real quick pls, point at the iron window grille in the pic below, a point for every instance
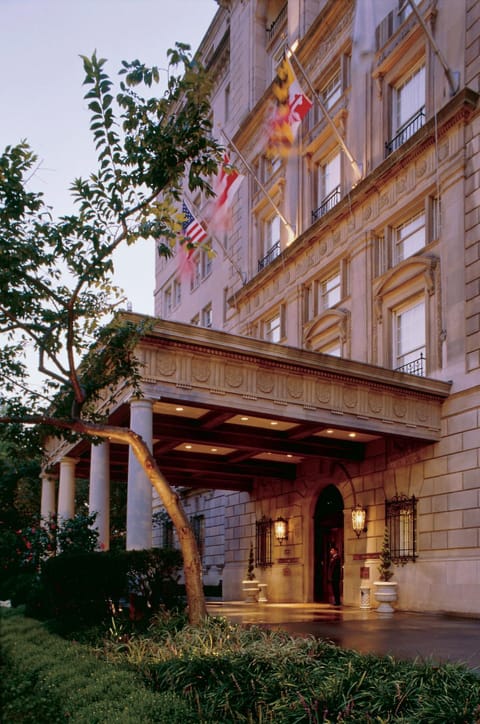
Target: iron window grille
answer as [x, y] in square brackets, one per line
[198, 526]
[401, 521]
[167, 534]
[263, 542]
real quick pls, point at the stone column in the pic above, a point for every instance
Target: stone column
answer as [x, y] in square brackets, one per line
[48, 503]
[66, 489]
[99, 492]
[139, 493]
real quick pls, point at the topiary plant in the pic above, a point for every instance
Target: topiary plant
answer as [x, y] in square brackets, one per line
[251, 565]
[384, 569]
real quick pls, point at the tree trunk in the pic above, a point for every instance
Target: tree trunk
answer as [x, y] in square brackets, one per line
[192, 564]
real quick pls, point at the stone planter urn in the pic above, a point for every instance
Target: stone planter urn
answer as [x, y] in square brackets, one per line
[385, 593]
[385, 590]
[250, 590]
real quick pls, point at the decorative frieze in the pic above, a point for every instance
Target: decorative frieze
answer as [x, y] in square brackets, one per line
[259, 385]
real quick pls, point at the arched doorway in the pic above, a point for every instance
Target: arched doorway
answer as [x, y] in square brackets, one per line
[328, 529]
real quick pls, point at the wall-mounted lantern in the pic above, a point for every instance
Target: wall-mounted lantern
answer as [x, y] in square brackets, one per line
[280, 528]
[359, 518]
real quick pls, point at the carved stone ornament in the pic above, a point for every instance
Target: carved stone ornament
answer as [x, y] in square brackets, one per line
[295, 387]
[165, 364]
[265, 381]
[201, 369]
[233, 375]
[323, 392]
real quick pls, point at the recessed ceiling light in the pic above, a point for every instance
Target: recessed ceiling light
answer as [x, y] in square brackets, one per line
[274, 422]
[188, 447]
[289, 455]
[213, 449]
[179, 409]
[329, 432]
[244, 419]
[352, 434]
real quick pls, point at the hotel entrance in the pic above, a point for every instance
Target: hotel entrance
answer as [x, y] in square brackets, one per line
[328, 531]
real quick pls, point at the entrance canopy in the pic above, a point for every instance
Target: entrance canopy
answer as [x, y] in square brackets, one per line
[228, 410]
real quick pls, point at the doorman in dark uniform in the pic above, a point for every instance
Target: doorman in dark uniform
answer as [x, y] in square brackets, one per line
[335, 572]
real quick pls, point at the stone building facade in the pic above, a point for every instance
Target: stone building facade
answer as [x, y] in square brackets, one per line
[332, 354]
[380, 266]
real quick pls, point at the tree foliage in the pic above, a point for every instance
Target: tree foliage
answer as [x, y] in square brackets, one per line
[57, 296]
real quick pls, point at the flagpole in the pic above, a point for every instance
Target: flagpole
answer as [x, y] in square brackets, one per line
[353, 163]
[262, 187]
[452, 81]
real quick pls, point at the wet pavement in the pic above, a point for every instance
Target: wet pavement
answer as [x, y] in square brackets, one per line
[404, 635]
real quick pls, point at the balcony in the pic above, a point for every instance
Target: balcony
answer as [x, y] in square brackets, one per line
[272, 254]
[327, 204]
[415, 367]
[406, 131]
[274, 27]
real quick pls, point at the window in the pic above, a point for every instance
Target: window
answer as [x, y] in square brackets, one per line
[198, 526]
[409, 342]
[177, 292]
[325, 292]
[332, 91]
[167, 534]
[409, 237]
[195, 320]
[263, 541]
[273, 329]
[329, 291]
[401, 521]
[401, 241]
[404, 9]
[207, 316]
[202, 267]
[408, 108]
[167, 302]
[271, 242]
[327, 186]
[227, 103]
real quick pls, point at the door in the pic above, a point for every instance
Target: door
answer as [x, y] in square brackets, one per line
[328, 531]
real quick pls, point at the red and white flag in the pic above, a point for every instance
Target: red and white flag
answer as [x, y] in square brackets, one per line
[226, 184]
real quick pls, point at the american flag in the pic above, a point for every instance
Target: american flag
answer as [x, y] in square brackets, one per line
[192, 229]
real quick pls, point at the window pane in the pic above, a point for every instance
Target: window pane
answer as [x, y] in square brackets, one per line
[332, 91]
[331, 175]
[410, 334]
[410, 237]
[273, 329]
[410, 97]
[273, 232]
[331, 291]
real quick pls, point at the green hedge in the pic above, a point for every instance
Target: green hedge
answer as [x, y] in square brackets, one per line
[47, 679]
[86, 585]
[220, 673]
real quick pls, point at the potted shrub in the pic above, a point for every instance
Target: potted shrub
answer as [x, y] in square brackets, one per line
[385, 589]
[250, 583]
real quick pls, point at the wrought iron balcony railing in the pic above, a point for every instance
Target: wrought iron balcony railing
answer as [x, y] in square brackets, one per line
[272, 254]
[406, 131]
[273, 29]
[328, 203]
[415, 367]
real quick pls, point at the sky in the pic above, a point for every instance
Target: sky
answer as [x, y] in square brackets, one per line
[41, 77]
